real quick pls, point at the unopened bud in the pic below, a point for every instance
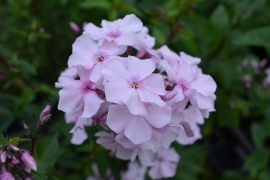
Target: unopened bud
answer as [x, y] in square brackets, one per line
[244, 64]
[3, 156]
[13, 147]
[26, 127]
[45, 114]
[187, 129]
[143, 54]
[14, 162]
[263, 63]
[74, 27]
[28, 161]
[169, 95]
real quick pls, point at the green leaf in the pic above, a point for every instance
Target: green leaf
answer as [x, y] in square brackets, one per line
[14, 140]
[3, 140]
[220, 18]
[46, 150]
[27, 67]
[256, 37]
[41, 173]
[5, 116]
[103, 4]
[258, 134]
[256, 162]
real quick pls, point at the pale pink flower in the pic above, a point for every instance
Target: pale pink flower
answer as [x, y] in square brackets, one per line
[87, 53]
[133, 85]
[143, 39]
[174, 59]
[165, 164]
[79, 92]
[199, 89]
[138, 129]
[121, 31]
[134, 172]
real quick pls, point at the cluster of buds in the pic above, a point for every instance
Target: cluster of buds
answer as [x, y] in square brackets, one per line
[16, 162]
[144, 98]
[255, 73]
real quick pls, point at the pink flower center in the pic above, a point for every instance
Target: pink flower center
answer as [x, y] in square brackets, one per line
[114, 34]
[135, 85]
[160, 159]
[100, 58]
[87, 86]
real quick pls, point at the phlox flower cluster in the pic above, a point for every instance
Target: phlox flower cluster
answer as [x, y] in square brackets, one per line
[145, 99]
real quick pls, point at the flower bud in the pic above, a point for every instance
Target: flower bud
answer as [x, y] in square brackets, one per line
[13, 147]
[187, 129]
[26, 127]
[28, 161]
[3, 156]
[169, 95]
[244, 64]
[14, 162]
[45, 114]
[74, 27]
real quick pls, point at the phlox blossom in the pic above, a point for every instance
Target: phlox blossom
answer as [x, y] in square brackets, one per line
[87, 53]
[79, 93]
[121, 32]
[165, 164]
[133, 85]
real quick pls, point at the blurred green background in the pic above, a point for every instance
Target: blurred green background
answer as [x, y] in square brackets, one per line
[36, 41]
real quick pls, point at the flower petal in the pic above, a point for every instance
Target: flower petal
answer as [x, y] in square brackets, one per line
[138, 130]
[95, 32]
[85, 45]
[158, 116]
[70, 99]
[140, 69]
[127, 39]
[147, 96]
[131, 23]
[91, 104]
[115, 71]
[118, 118]
[76, 60]
[133, 102]
[154, 83]
[205, 85]
[114, 91]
